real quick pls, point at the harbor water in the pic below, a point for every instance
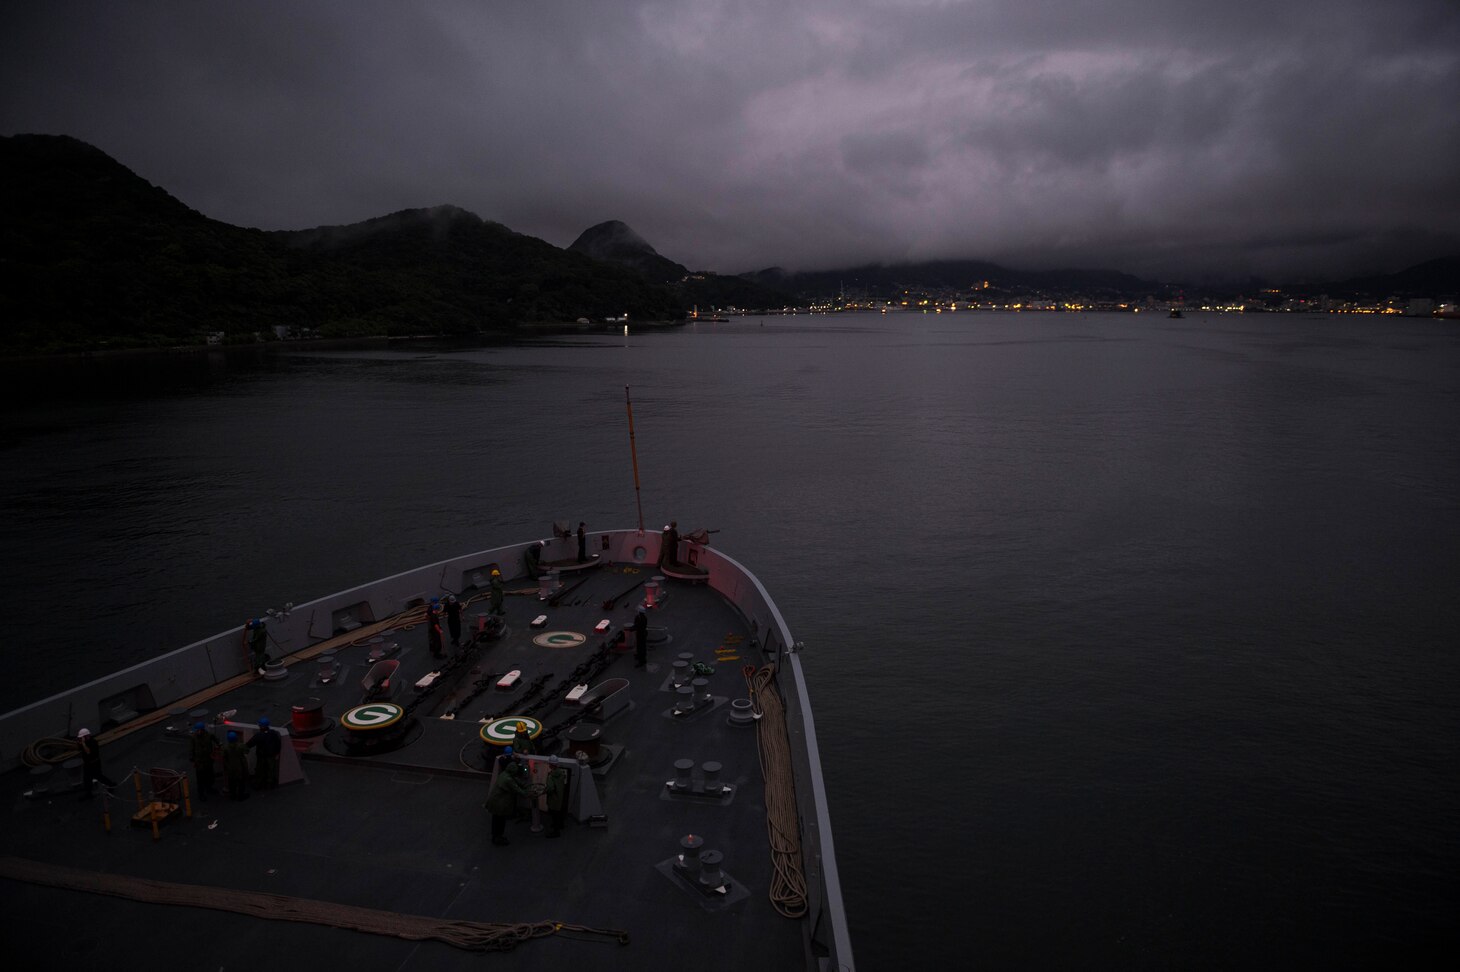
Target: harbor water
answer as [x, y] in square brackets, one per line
[1130, 640]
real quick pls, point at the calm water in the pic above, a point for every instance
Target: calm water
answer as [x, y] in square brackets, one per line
[1132, 641]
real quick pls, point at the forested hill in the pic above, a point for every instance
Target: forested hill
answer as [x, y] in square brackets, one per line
[95, 256]
[615, 242]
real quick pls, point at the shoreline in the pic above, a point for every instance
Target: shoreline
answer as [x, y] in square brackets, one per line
[535, 328]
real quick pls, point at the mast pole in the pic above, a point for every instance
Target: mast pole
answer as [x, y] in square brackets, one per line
[634, 453]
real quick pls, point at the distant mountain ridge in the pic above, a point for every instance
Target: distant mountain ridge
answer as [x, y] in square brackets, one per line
[1432, 278]
[952, 275]
[93, 255]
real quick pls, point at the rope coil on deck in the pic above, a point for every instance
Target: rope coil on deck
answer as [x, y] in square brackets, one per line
[788, 883]
[469, 935]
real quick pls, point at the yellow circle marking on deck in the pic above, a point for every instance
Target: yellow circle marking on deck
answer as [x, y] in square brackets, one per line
[560, 639]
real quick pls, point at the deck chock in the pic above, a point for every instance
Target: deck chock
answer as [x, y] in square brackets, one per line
[380, 648]
[602, 626]
[379, 682]
[577, 693]
[508, 681]
[539, 622]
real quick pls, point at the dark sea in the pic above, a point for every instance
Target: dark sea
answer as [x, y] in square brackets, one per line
[1132, 641]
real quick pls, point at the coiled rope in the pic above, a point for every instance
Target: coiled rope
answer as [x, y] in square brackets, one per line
[50, 749]
[788, 882]
[58, 749]
[473, 936]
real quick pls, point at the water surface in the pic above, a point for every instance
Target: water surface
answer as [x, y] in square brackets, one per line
[1130, 639]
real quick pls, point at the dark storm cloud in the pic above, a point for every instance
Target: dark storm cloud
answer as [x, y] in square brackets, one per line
[1216, 138]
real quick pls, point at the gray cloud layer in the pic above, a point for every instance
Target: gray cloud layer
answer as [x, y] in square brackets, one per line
[1146, 135]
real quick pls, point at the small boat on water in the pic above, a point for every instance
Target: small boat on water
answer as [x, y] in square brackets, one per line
[684, 787]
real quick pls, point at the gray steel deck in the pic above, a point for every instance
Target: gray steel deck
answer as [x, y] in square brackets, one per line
[406, 832]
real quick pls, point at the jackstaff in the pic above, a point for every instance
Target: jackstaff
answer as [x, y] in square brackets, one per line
[634, 454]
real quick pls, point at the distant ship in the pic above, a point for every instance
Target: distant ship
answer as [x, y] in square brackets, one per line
[708, 317]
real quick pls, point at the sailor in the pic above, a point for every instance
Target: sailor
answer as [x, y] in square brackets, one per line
[582, 543]
[521, 741]
[555, 797]
[497, 592]
[235, 767]
[533, 556]
[91, 772]
[502, 801]
[669, 548]
[433, 629]
[453, 619]
[267, 744]
[256, 640]
[203, 745]
[641, 639]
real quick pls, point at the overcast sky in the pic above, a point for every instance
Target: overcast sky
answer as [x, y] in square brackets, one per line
[1160, 137]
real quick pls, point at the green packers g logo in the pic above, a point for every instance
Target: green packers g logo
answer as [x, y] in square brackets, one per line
[373, 715]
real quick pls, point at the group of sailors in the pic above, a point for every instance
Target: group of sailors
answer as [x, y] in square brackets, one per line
[206, 753]
[513, 782]
[449, 611]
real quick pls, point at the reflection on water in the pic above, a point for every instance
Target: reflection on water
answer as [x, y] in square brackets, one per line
[1152, 618]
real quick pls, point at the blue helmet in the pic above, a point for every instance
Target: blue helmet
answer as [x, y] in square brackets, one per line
[198, 727]
[232, 736]
[263, 722]
[507, 751]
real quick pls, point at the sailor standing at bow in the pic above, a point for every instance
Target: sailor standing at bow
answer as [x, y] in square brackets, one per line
[202, 746]
[267, 744]
[453, 619]
[256, 642]
[91, 772]
[433, 629]
[497, 592]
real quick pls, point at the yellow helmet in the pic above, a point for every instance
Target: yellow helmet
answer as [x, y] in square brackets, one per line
[521, 727]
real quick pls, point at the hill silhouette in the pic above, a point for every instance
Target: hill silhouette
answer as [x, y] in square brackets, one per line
[92, 255]
[615, 242]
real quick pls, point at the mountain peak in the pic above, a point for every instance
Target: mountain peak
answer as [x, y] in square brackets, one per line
[615, 242]
[610, 237]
